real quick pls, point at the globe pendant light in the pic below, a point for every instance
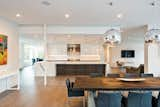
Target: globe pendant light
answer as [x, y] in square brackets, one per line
[153, 35]
[112, 36]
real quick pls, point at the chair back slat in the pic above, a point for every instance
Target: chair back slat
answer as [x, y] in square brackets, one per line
[113, 75]
[132, 75]
[96, 75]
[146, 75]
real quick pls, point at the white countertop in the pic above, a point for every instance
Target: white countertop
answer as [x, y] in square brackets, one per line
[50, 65]
[72, 62]
[5, 74]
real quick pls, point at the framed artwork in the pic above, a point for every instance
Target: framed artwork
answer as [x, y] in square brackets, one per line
[3, 49]
[73, 49]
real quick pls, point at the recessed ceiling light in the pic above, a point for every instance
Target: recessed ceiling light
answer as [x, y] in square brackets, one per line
[153, 4]
[120, 15]
[67, 16]
[18, 15]
[110, 3]
[46, 3]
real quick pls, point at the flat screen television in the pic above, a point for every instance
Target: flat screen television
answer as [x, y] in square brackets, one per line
[127, 53]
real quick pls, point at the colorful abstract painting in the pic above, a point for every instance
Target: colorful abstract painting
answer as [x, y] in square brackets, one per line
[3, 49]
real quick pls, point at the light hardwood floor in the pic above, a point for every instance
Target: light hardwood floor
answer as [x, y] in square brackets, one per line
[34, 94]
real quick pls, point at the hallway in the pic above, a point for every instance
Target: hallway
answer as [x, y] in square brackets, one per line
[34, 94]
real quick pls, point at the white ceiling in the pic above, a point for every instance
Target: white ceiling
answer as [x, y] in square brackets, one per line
[82, 12]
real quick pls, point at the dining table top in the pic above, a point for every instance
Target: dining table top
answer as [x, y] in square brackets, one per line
[115, 84]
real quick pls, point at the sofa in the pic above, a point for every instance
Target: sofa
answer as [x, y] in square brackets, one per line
[137, 70]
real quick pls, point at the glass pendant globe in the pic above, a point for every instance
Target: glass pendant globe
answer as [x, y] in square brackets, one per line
[112, 36]
[153, 35]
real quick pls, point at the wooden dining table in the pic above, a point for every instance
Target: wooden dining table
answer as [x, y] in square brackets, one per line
[92, 85]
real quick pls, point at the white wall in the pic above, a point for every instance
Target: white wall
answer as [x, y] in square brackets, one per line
[132, 39]
[9, 29]
[58, 49]
[152, 55]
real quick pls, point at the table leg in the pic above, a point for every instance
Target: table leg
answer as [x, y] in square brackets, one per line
[91, 95]
[18, 87]
[45, 78]
[45, 74]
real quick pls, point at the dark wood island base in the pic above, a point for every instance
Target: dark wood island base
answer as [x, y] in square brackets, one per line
[79, 69]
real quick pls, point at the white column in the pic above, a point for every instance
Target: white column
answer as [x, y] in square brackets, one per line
[108, 68]
[107, 58]
[45, 52]
[145, 57]
[45, 41]
[152, 58]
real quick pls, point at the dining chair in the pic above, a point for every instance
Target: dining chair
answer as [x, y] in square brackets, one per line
[131, 75]
[154, 93]
[146, 75]
[108, 100]
[158, 101]
[72, 93]
[139, 99]
[126, 93]
[96, 75]
[155, 102]
[113, 75]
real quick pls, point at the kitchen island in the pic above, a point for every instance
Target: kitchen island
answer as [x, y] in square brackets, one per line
[64, 67]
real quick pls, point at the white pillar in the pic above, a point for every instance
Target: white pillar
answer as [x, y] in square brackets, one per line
[45, 41]
[152, 58]
[45, 52]
[146, 58]
[107, 58]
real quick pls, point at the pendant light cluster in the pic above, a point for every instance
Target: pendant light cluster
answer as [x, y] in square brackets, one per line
[112, 37]
[153, 35]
